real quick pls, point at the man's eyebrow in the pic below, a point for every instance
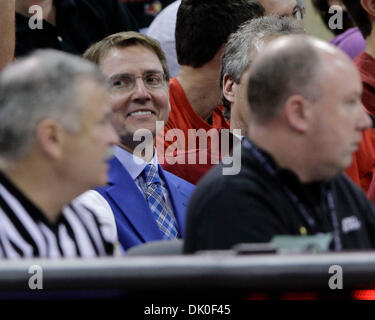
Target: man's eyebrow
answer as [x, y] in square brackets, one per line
[125, 74]
[153, 71]
[119, 76]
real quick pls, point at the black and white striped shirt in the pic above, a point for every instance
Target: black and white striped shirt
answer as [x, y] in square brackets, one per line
[26, 233]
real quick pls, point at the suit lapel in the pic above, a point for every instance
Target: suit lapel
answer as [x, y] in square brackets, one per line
[179, 199]
[132, 204]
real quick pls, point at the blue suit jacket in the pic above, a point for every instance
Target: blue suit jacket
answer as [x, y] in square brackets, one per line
[134, 220]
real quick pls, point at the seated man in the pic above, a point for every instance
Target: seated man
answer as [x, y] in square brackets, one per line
[55, 136]
[148, 203]
[195, 93]
[68, 25]
[7, 32]
[196, 88]
[306, 121]
[238, 55]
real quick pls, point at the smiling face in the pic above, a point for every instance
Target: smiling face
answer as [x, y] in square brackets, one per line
[139, 107]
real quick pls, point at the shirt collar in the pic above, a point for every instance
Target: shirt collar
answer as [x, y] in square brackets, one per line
[286, 175]
[133, 164]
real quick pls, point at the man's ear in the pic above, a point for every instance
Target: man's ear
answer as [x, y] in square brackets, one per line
[50, 136]
[297, 112]
[229, 88]
[369, 6]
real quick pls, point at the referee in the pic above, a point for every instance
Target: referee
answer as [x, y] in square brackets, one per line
[55, 134]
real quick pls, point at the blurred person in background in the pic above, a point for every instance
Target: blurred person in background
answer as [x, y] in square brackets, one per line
[348, 38]
[163, 26]
[195, 93]
[68, 25]
[362, 171]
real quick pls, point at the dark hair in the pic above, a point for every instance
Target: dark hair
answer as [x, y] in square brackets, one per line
[359, 16]
[275, 76]
[203, 26]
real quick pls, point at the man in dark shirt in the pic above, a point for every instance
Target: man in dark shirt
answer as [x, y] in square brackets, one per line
[302, 136]
[68, 25]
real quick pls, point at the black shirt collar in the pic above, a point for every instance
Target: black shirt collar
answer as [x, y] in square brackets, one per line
[288, 177]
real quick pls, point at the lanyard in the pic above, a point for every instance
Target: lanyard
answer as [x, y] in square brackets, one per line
[271, 170]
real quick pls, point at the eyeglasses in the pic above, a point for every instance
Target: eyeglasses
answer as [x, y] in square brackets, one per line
[126, 82]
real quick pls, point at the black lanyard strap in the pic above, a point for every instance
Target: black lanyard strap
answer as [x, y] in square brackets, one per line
[272, 171]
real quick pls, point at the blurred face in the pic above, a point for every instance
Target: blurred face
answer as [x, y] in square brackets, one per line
[286, 8]
[87, 150]
[139, 92]
[338, 116]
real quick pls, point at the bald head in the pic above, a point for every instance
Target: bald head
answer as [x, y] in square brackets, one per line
[305, 100]
[291, 65]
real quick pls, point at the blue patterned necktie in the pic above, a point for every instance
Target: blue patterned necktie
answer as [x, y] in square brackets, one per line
[157, 203]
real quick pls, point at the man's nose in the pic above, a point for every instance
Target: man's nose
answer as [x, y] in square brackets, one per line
[140, 91]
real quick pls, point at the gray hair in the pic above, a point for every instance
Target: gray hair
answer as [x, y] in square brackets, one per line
[243, 44]
[292, 69]
[43, 85]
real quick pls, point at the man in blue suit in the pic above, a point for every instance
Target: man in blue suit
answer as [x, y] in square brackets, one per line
[148, 203]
